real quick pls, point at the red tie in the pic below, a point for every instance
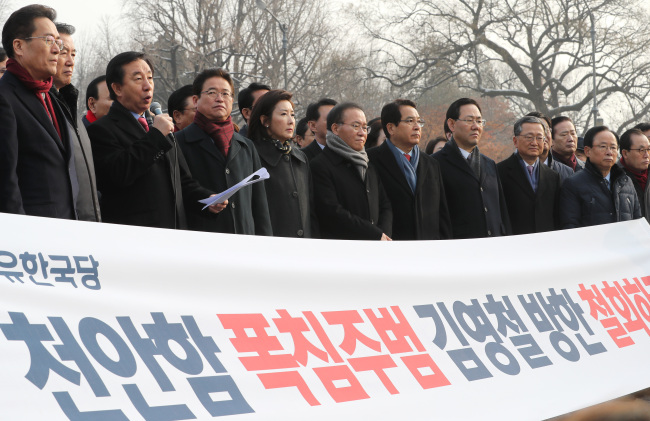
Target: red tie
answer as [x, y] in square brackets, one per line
[143, 121]
[408, 157]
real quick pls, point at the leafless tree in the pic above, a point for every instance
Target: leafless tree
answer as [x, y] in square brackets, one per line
[536, 53]
[187, 36]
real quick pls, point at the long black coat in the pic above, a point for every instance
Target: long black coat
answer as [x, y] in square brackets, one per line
[37, 169]
[87, 200]
[312, 150]
[530, 211]
[348, 207]
[289, 191]
[143, 178]
[422, 215]
[585, 199]
[477, 206]
[248, 210]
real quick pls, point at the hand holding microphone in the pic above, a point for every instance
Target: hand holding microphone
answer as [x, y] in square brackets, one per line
[161, 121]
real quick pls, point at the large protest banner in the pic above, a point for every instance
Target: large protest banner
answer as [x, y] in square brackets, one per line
[105, 322]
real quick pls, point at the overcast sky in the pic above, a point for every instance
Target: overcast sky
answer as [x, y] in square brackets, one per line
[82, 14]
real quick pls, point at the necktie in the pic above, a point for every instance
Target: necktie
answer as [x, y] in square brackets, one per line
[530, 170]
[144, 124]
[408, 157]
[607, 183]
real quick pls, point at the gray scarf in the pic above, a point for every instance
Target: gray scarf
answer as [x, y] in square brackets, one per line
[339, 147]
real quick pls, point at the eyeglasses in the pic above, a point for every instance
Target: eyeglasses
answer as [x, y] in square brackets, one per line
[49, 41]
[413, 122]
[478, 121]
[642, 151]
[604, 148]
[212, 94]
[357, 126]
[529, 138]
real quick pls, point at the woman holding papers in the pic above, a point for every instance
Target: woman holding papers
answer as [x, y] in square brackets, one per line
[288, 191]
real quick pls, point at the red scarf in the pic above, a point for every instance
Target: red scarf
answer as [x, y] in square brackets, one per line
[572, 162]
[220, 131]
[41, 89]
[641, 177]
[90, 116]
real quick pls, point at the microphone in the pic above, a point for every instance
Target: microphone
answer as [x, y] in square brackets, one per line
[155, 108]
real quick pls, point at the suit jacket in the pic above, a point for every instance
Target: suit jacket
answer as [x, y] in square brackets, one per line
[312, 150]
[347, 206]
[37, 168]
[87, 199]
[476, 205]
[530, 211]
[422, 215]
[142, 175]
[248, 210]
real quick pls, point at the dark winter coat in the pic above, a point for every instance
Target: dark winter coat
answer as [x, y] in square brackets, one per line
[476, 205]
[347, 206]
[530, 211]
[585, 199]
[419, 215]
[142, 175]
[289, 191]
[248, 210]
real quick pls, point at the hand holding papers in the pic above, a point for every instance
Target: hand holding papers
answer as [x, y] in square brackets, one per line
[257, 176]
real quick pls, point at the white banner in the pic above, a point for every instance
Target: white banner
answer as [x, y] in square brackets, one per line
[104, 322]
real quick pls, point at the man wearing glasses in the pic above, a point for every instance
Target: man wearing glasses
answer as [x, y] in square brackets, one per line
[601, 193]
[350, 200]
[531, 189]
[412, 179]
[635, 158]
[219, 158]
[474, 195]
[37, 168]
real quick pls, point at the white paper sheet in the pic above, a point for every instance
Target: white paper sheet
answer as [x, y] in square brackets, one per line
[259, 175]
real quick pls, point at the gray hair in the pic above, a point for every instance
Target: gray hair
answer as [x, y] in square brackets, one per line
[528, 119]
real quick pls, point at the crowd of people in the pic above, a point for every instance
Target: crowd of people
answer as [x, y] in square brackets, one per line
[333, 173]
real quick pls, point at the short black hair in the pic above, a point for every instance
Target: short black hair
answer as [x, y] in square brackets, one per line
[21, 25]
[245, 97]
[197, 85]
[373, 135]
[557, 120]
[178, 100]
[391, 113]
[92, 91]
[312, 109]
[3, 54]
[591, 134]
[64, 28]
[626, 139]
[644, 127]
[336, 115]
[115, 68]
[301, 127]
[453, 111]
